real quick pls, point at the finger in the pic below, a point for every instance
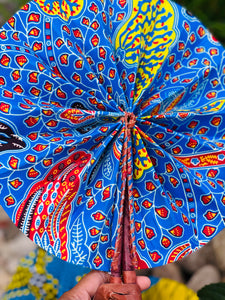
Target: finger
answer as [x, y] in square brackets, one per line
[87, 287]
[92, 281]
[144, 282]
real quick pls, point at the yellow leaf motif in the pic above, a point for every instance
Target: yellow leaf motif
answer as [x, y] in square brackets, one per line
[142, 161]
[146, 38]
[65, 9]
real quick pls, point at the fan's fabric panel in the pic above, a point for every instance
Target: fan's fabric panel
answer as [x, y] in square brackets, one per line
[68, 73]
[179, 195]
[60, 139]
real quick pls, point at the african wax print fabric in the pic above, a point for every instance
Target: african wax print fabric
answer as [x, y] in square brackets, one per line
[100, 95]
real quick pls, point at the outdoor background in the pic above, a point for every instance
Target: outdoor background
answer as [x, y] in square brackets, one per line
[204, 266]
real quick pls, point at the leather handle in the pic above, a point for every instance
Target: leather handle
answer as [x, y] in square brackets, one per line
[129, 277]
[116, 290]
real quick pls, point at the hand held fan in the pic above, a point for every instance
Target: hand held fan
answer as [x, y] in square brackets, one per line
[112, 133]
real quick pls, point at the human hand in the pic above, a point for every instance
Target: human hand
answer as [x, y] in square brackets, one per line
[88, 285]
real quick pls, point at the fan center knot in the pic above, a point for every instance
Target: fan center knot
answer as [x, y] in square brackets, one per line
[130, 120]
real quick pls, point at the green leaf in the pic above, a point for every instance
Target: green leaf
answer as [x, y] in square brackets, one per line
[212, 292]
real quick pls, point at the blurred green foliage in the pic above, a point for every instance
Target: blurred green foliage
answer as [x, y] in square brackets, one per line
[210, 12]
[9, 7]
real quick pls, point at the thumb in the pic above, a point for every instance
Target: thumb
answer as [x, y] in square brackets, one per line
[87, 287]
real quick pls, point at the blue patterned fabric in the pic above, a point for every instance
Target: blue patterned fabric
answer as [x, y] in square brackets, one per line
[43, 276]
[72, 76]
[40, 276]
